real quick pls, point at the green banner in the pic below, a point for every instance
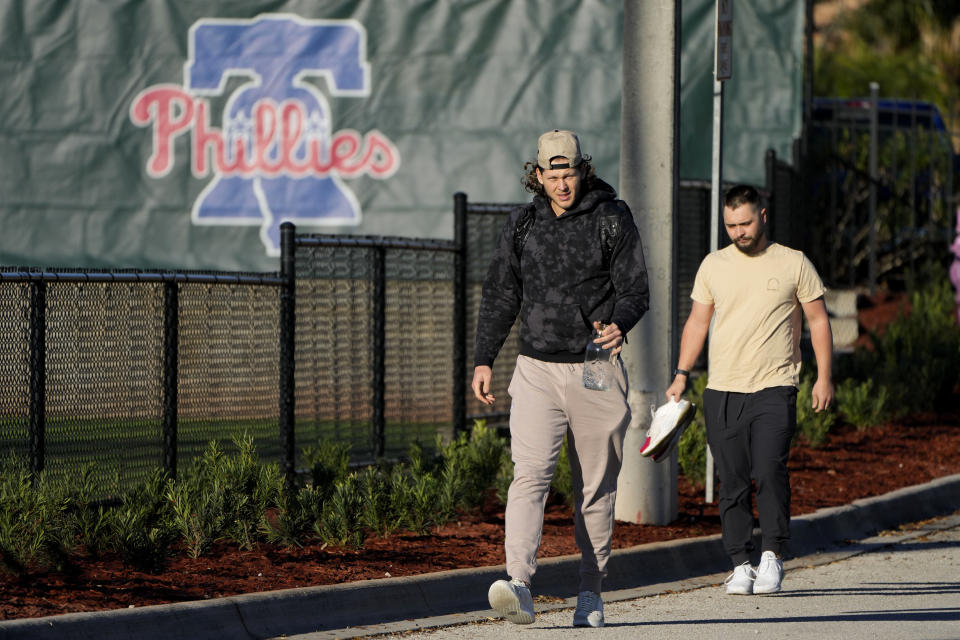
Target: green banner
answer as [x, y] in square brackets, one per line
[763, 100]
[180, 133]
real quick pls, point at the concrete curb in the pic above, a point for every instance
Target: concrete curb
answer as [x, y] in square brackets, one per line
[311, 609]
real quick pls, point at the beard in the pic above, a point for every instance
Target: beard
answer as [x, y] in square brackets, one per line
[748, 244]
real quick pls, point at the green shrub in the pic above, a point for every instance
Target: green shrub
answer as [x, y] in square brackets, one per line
[23, 514]
[378, 512]
[470, 466]
[224, 497]
[860, 404]
[339, 523]
[87, 523]
[814, 427]
[328, 462]
[692, 448]
[296, 514]
[562, 482]
[917, 358]
[141, 529]
[417, 491]
[250, 488]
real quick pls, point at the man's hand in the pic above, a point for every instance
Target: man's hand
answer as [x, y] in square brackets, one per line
[610, 338]
[822, 394]
[677, 387]
[481, 384]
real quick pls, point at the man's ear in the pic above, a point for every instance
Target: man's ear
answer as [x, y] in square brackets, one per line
[539, 176]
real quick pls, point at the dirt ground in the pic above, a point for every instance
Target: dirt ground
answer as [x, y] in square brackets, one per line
[852, 465]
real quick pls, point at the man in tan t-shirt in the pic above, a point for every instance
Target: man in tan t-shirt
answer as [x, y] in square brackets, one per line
[754, 291]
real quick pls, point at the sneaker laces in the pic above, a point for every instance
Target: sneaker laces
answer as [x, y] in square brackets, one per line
[766, 564]
[743, 568]
[587, 602]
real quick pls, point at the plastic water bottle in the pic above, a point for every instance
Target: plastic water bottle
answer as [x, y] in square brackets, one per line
[597, 371]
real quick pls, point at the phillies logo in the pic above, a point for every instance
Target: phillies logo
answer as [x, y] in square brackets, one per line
[275, 156]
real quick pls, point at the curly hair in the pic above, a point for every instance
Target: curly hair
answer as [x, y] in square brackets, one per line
[531, 184]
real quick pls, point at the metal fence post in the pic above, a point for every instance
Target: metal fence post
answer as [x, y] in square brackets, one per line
[379, 349]
[771, 179]
[874, 177]
[38, 375]
[460, 314]
[171, 360]
[288, 329]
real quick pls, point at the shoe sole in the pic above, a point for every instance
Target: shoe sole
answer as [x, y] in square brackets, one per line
[737, 592]
[586, 623]
[766, 592]
[505, 602]
[674, 440]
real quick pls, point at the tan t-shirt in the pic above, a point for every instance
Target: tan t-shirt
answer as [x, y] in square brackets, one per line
[755, 342]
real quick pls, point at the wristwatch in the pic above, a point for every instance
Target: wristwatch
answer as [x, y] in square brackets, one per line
[681, 372]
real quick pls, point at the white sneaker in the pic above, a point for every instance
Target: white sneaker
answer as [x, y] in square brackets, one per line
[740, 582]
[769, 573]
[512, 600]
[589, 611]
[668, 420]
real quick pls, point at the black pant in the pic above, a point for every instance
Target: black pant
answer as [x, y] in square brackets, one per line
[749, 435]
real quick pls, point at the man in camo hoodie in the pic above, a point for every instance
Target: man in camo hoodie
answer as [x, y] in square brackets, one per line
[569, 262]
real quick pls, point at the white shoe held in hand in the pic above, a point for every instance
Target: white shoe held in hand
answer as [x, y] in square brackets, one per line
[669, 421]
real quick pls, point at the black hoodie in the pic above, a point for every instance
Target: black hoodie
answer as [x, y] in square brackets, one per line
[561, 283]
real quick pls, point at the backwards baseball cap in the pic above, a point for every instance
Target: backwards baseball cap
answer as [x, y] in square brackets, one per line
[558, 143]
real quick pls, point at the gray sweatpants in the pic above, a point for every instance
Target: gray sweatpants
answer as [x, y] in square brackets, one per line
[548, 401]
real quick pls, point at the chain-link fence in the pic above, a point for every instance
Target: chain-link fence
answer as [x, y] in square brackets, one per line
[128, 371]
[375, 345]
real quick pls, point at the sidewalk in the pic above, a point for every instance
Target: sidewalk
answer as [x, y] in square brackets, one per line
[899, 586]
[450, 597]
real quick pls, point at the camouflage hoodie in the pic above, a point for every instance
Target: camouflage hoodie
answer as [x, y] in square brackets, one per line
[560, 284]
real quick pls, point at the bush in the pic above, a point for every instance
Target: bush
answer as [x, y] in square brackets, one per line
[141, 529]
[471, 464]
[339, 523]
[328, 462]
[294, 516]
[224, 497]
[378, 511]
[692, 448]
[861, 404]
[813, 426]
[87, 523]
[917, 358]
[30, 519]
